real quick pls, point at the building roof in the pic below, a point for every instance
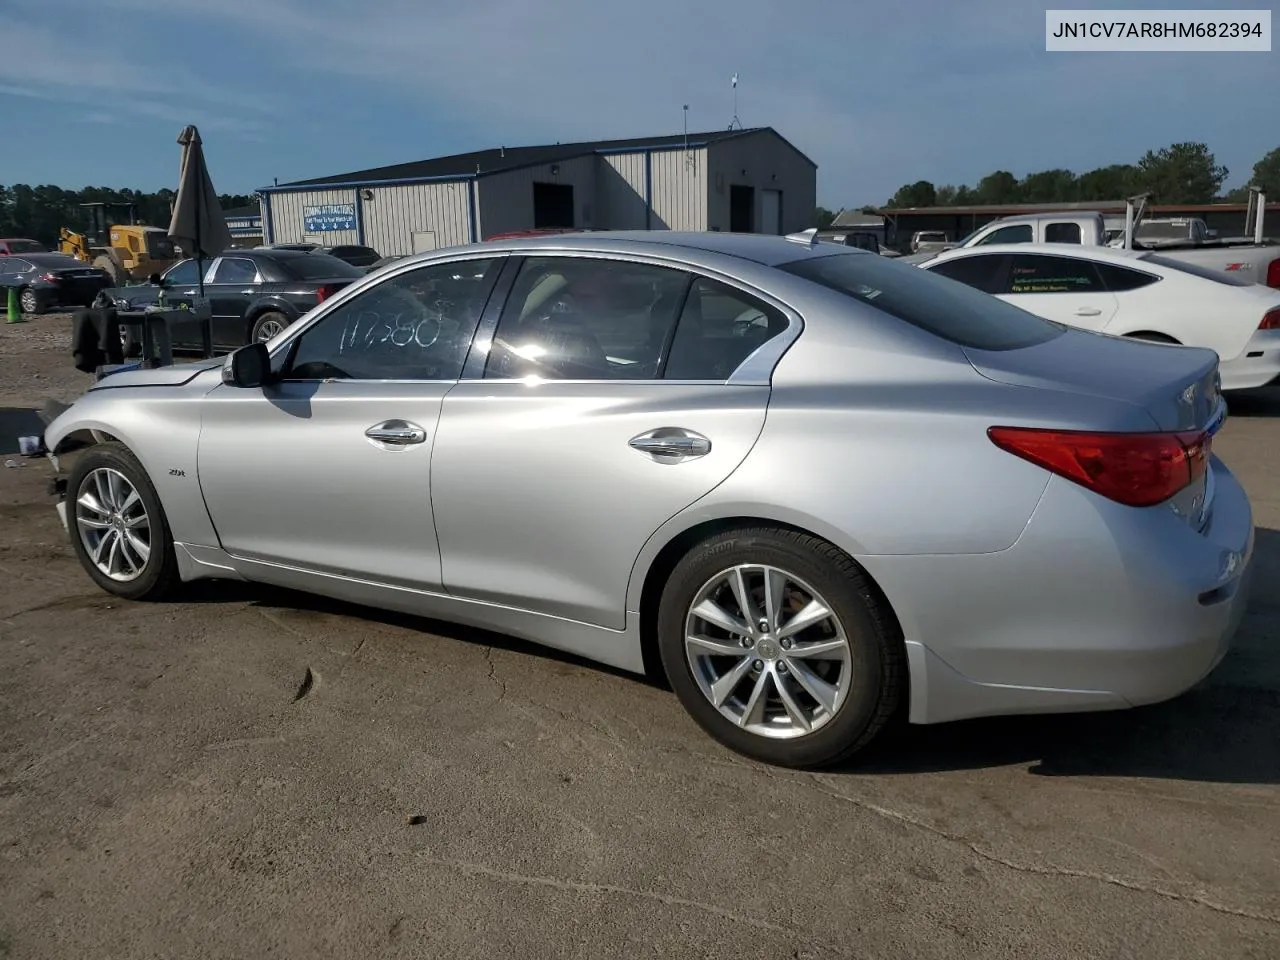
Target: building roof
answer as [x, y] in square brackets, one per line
[481, 163]
[856, 218]
[242, 213]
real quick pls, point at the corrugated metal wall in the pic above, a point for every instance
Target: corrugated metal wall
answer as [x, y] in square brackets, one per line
[680, 190]
[769, 164]
[395, 214]
[287, 218]
[506, 199]
[620, 192]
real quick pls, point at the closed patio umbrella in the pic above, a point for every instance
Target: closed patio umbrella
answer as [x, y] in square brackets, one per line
[197, 224]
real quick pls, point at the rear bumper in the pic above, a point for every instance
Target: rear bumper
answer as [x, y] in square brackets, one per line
[1096, 607]
[1258, 365]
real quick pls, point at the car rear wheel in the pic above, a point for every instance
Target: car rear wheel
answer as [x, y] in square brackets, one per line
[30, 301]
[118, 529]
[267, 326]
[780, 648]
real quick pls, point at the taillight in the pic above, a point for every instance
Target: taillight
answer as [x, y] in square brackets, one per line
[49, 277]
[1271, 320]
[325, 291]
[1273, 273]
[1136, 469]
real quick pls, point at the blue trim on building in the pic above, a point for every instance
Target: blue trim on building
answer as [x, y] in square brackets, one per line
[648, 189]
[471, 211]
[359, 217]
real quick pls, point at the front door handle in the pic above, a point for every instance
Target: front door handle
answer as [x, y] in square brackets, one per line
[671, 444]
[1088, 312]
[399, 433]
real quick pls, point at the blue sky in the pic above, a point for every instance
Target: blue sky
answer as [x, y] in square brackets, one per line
[877, 93]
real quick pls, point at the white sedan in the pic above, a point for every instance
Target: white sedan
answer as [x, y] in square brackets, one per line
[1133, 293]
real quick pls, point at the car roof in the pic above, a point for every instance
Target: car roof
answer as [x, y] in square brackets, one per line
[1077, 250]
[50, 258]
[766, 249]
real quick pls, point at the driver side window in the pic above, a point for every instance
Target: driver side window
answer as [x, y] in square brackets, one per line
[183, 274]
[413, 326]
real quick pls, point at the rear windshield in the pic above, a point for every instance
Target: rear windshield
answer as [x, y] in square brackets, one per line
[319, 266]
[1205, 273]
[25, 246]
[55, 261]
[946, 308]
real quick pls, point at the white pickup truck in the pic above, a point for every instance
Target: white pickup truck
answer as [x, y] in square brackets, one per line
[1250, 258]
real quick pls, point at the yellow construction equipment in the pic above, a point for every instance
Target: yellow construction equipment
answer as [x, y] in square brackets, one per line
[124, 248]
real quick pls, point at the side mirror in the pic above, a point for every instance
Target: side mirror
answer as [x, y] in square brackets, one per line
[156, 280]
[249, 366]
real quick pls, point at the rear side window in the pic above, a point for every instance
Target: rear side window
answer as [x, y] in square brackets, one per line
[1205, 273]
[980, 272]
[1019, 233]
[1062, 233]
[319, 266]
[719, 328]
[946, 309]
[1120, 279]
[1031, 273]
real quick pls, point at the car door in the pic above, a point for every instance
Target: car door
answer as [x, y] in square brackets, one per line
[232, 283]
[327, 470]
[596, 408]
[1066, 289]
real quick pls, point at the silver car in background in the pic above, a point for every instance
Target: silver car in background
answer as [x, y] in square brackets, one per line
[819, 488]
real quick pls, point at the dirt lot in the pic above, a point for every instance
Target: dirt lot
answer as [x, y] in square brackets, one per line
[253, 773]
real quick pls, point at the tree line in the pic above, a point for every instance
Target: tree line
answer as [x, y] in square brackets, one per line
[1182, 173]
[37, 213]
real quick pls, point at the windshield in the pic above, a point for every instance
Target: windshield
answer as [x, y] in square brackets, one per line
[319, 266]
[944, 307]
[55, 261]
[25, 246]
[160, 247]
[1205, 273]
[1163, 231]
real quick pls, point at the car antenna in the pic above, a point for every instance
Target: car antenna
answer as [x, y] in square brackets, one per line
[808, 237]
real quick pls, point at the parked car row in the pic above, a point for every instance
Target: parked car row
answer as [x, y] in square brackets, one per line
[48, 280]
[1133, 293]
[253, 294]
[818, 488]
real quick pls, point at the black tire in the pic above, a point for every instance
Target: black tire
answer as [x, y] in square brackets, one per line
[159, 577]
[1151, 337]
[878, 655]
[130, 341]
[262, 320]
[30, 301]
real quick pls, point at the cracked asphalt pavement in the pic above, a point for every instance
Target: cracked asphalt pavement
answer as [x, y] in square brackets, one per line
[255, 773]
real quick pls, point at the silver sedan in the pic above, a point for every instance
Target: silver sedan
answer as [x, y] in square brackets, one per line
[819, 489]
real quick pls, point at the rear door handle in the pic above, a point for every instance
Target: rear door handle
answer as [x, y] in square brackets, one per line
[1088, 312]
[671, 444]
[399, 433]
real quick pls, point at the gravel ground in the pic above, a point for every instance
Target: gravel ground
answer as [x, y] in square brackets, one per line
[251, 773]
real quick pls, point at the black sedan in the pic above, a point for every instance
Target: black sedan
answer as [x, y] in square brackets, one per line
[252, 294]
[47, 280]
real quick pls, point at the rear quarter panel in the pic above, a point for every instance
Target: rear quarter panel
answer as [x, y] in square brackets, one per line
[1247, 263]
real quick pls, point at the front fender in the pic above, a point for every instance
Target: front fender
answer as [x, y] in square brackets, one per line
[161, 429]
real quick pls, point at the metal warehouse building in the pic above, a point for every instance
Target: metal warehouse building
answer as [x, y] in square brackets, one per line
[749, 181]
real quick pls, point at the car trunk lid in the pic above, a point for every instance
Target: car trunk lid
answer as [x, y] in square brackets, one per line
[1177, 387]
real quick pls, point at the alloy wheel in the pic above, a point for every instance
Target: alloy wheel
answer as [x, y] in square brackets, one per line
[113, 524]
[768, 651]
[269, 329]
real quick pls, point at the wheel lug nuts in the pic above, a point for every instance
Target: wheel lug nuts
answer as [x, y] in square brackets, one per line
[786, 644]
[782, 668]
[758, 665]
[747, 641]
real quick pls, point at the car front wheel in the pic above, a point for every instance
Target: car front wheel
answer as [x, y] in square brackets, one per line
[780, 648]
[118, 529]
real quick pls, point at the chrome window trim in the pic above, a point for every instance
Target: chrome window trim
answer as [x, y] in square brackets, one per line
[755, 370]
